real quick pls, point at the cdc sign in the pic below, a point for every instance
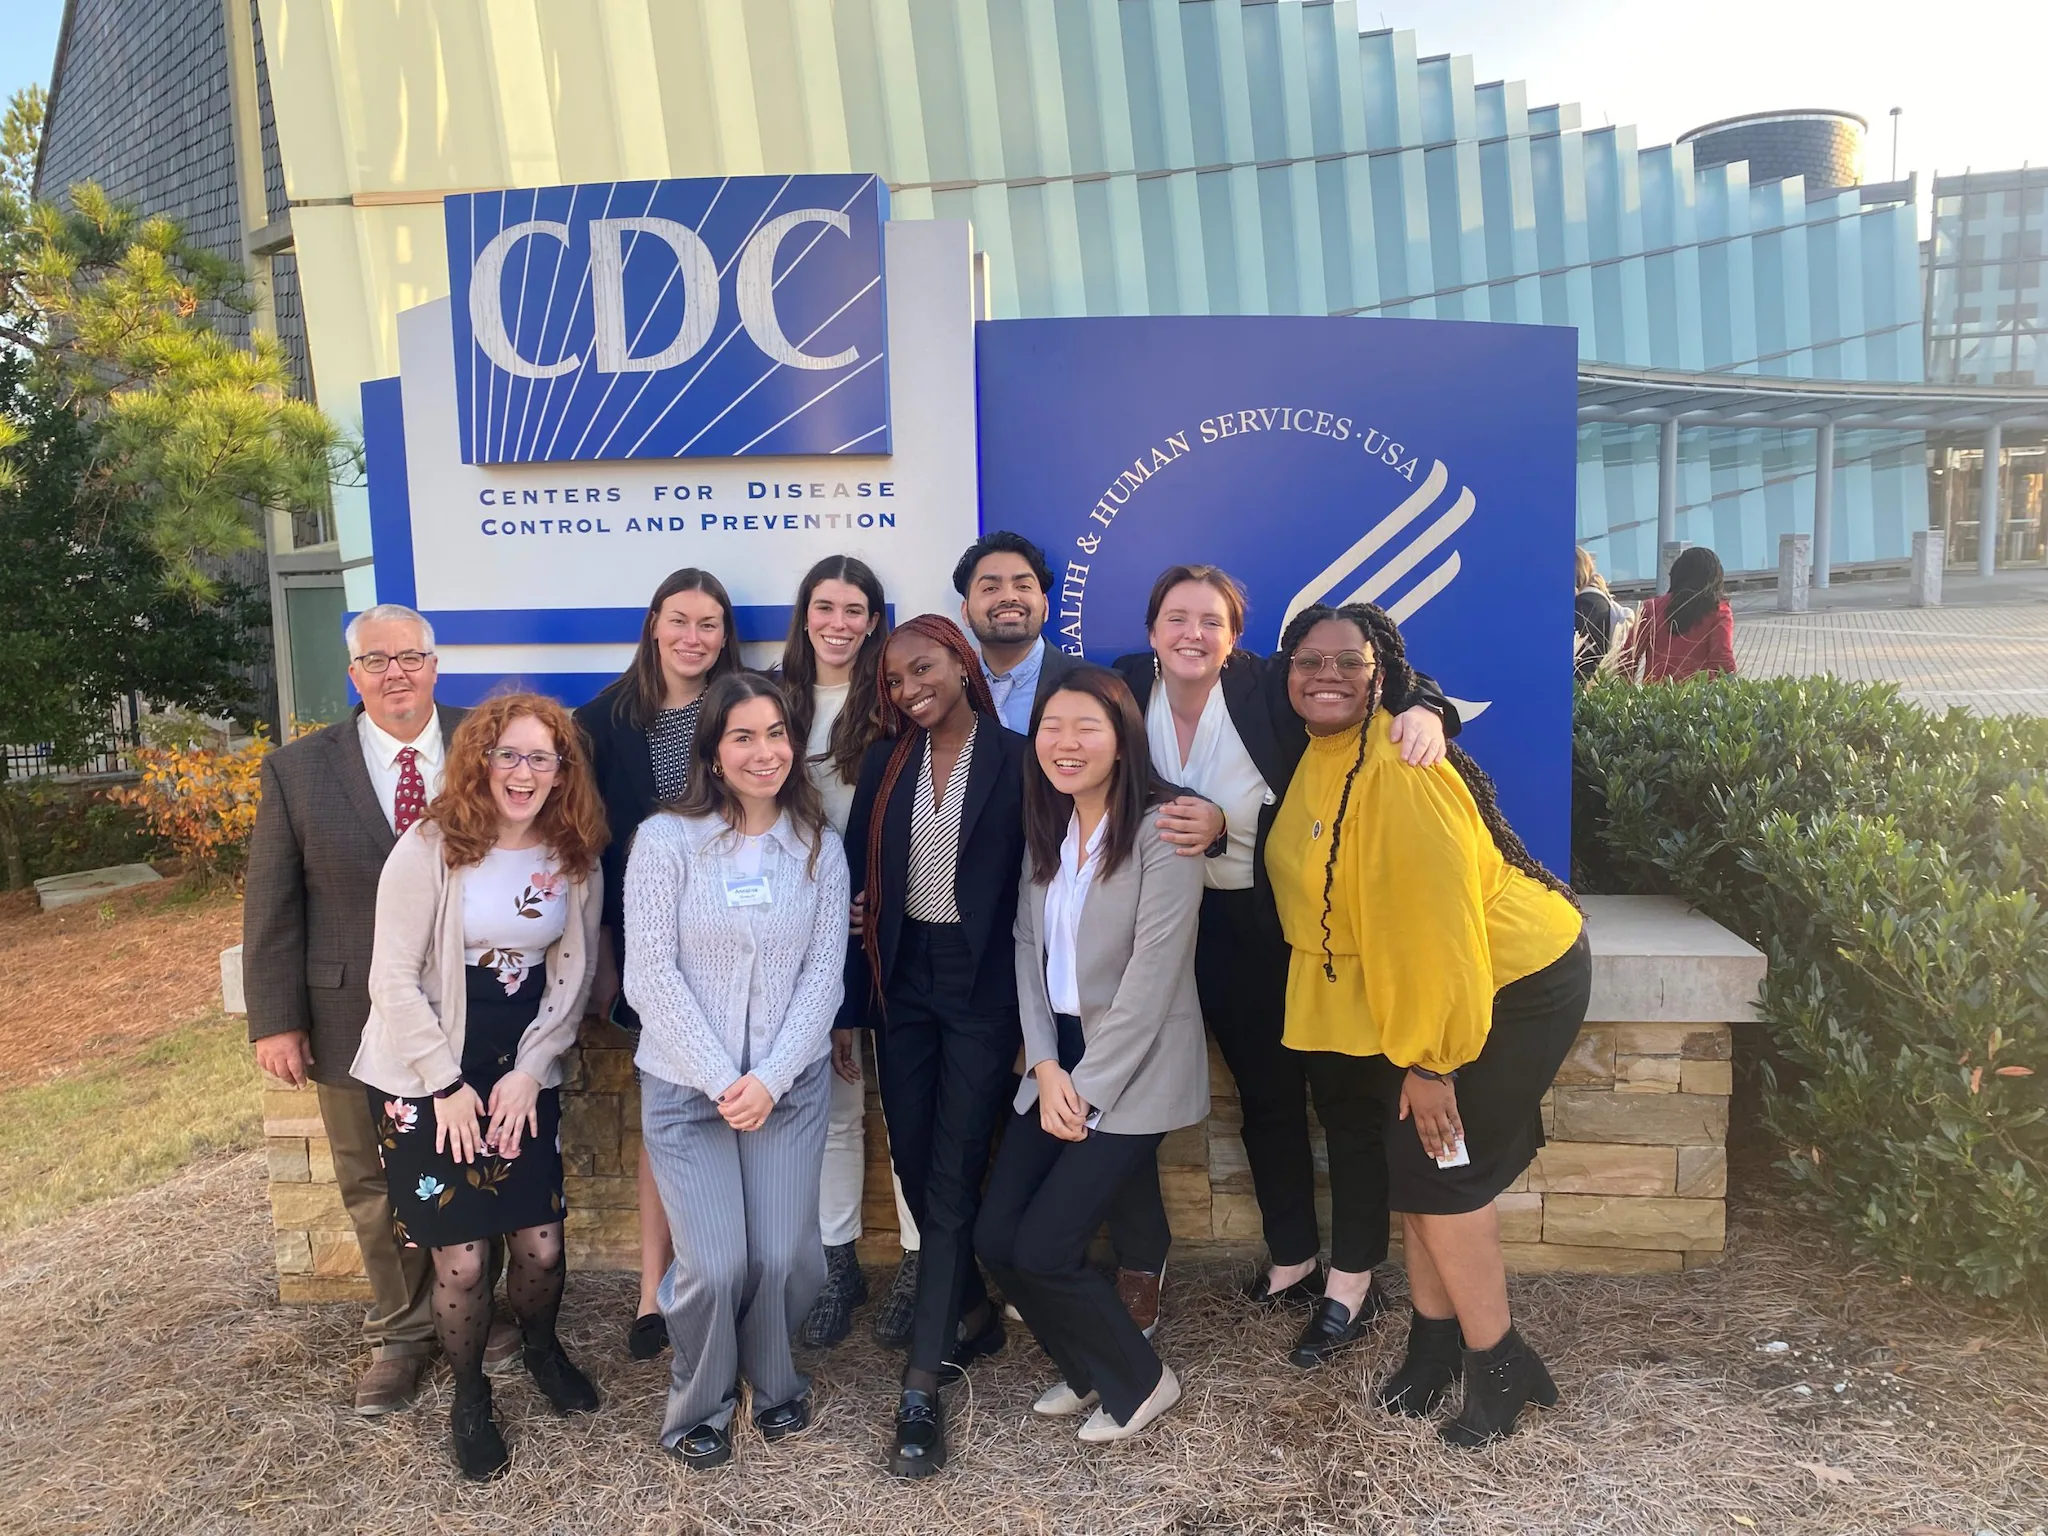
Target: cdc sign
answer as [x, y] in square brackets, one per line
[670, 319]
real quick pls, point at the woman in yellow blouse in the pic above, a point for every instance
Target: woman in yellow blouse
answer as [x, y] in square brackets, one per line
[1438, 978]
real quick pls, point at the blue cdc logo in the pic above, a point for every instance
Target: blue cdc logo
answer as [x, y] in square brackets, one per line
[670, 319]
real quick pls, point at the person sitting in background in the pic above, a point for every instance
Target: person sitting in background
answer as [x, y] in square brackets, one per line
[1599, 623]
[1686, 631]
[486, 938]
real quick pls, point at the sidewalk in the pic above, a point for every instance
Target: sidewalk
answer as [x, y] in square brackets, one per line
[1985, 650]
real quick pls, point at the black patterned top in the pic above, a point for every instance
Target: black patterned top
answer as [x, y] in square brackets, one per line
[669, 740]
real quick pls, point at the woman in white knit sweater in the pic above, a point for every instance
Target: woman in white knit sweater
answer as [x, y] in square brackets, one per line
[735, 942]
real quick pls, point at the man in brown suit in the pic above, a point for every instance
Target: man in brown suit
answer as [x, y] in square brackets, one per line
[333, 805]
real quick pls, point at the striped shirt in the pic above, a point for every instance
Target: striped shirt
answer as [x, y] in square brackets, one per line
[935, 837]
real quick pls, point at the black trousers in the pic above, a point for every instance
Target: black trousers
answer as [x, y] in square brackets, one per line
[947, 1077]
[1045, 1199]
[1241, 977]
[1351, 1103]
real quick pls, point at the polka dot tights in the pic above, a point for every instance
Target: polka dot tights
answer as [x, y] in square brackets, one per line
[462, 1296]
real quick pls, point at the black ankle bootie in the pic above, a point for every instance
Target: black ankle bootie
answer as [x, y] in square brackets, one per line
[1432, 1364]
[1498, 1382]
[473, 1431]
[565, 1387]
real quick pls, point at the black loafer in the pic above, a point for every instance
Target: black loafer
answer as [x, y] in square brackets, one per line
[704, 1447]
[1332, 1327]
[965, 1352]
[785, 1418]
[920, 1445]
[1305, 1292]
[648, 1336]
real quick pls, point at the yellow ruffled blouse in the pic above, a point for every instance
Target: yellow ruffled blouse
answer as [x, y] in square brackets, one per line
[1427, 920]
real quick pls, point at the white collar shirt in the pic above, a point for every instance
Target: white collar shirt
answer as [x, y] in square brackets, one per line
[1016, 691]
[1221, 771]
[380, 756]
[1064, 899]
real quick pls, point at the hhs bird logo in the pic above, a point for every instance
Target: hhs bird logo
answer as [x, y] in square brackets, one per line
[1375, 576]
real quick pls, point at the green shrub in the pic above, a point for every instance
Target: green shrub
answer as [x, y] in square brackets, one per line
[1893, 866]
[61, 828]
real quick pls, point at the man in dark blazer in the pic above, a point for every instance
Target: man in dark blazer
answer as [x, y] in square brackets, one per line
[333, 805]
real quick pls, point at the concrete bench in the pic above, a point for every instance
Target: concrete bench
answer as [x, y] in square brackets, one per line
[1634, 1180]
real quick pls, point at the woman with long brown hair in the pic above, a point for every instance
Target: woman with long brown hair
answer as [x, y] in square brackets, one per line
[641, 728]
[934, 845]
[1439, 976]
[735, 953]
[487, 916]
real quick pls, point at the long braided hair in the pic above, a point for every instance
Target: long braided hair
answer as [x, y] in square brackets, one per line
[1394, 675]
[909, 735]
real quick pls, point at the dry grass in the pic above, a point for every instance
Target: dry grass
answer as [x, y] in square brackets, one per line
[152, 1385]
[89, 981]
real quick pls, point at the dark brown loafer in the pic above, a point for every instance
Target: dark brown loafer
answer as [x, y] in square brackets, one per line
[389, 1386]
[1139, 1292]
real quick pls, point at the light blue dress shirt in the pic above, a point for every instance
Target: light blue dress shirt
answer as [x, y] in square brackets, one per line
[1015, 689]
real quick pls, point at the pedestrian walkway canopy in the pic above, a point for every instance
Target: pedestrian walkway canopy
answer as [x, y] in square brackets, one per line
[1672, 400]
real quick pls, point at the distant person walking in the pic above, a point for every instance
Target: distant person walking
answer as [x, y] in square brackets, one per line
[1599, 623]
[1686, 631]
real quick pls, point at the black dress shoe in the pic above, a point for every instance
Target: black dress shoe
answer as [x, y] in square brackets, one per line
[1333, 1326]
[648, 1336]
[920, 1446]
[705, 1447]
[565, 1387]
[965, 1352]
[785, 1418]
[1305, 1292]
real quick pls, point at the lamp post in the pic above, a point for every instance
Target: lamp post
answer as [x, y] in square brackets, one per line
[1896, 112]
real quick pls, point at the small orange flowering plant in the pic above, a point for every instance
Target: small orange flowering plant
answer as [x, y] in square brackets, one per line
[198, 794]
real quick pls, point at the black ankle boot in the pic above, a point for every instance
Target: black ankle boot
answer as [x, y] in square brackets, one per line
[1498, 1381]
[560, 1382]
[830, 1319]
[479, 1447]
[1432, 1363]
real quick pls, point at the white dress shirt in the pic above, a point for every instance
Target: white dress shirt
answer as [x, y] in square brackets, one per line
[1064, 899]
[380, 756]
[1220, 770]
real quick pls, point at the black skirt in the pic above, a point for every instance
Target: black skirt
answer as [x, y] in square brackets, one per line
[436, 1201]
[1535, 1022]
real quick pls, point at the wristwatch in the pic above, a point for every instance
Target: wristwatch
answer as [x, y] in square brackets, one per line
[1436, 1077]
[451, 1089]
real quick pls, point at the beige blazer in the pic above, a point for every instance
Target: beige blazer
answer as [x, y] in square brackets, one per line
[419, 997]
[1146, 1066]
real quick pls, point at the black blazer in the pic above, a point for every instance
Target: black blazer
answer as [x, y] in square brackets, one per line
[984, 884]
[1255, 692]
[1052, 670]
[623, 765]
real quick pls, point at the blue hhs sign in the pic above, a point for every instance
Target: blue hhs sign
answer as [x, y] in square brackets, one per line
[670, 319]
[1427, 466]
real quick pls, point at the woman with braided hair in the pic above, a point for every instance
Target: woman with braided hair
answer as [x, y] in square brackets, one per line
[1438, 978]
[934, 846]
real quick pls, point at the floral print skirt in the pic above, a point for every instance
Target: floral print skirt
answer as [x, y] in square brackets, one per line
[436, 1201]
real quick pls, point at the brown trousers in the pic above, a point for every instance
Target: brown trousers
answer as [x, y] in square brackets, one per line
[400, 1321]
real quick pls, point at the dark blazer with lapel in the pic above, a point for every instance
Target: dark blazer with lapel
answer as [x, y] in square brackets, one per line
[984, 884]
[309, 903]
[1255, 693]
[1057, 665]
[623, 765]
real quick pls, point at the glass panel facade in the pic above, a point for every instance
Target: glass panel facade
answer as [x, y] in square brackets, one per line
[1985, 275]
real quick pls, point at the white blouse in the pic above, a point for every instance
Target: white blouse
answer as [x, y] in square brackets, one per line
[512, 910]
[1064, 899]
[827, 700]
[1219, 769]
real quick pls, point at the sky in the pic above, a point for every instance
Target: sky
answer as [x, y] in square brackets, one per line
[1971, 75]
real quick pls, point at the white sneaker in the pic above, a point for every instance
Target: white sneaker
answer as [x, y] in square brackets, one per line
[1101, 1429]
[1059, 1401]
[1010, 1311]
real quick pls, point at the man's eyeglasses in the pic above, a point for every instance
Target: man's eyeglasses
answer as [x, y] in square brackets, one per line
[377, 663]
[1347, 663]
[504, 759]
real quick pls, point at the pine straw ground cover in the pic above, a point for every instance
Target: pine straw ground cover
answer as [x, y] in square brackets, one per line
[150, 1384]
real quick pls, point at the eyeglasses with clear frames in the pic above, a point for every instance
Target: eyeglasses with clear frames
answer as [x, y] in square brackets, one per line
[1347, 663]
[504, 759]
[377, 663]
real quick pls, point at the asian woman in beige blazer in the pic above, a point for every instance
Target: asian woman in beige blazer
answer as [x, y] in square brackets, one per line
[1114, 1049]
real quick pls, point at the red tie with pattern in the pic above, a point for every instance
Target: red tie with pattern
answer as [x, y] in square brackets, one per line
[411, 798]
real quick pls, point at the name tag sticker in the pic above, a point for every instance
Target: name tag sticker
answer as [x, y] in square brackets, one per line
[747, 891]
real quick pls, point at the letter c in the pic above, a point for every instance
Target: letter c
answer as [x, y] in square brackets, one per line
[487, 301]
[756, 285]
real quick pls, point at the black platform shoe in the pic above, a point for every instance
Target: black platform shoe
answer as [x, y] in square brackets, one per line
[1498, 1382]
[1426, 1374]
[1305, 1292]
[965, 1352]
[897, 1314]
[1333, 1326]
[473, 1431]
[704, 1447]
[920, 1446]
[565, 1387]
[785, 1419]
[830, 1319]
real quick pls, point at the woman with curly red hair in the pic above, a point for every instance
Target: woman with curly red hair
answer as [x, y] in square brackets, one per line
[486, 932]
